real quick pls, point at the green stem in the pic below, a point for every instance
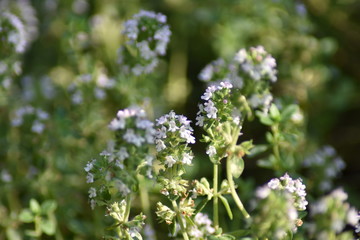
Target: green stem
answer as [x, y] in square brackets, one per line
[145, 202]
[180, 220]
[216, 199]
[128, 206]
[233, 191]
[275, 130]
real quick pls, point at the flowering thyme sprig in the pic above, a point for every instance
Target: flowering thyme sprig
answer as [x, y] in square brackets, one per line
[285, 195]
[28, 113]
[217, 115]
[173, 134]
[249, 71]
[330, 215]
[323, 166]
[125, 228]
[148, 36]
[115, 173]
[18, 28]
[295, 187]
[220, 117]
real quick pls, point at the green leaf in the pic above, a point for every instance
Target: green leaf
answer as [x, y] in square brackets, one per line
[269, 137]
[26, 216]
[48, 226]
[264, 163]
[35, 206]
[172, 229]
[288, 112]
[247, 146]
[48, 206]
[227, 206]
[302, 214]
[274, 113]
[264, 119]
[13, 234]
[237, 166]
[240, 233]
[201, 205]
[32, 233]
[291, 235]
[189, 221]
[258, 149]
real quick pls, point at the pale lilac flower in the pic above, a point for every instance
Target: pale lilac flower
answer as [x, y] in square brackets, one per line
[37, 127]
[90, 178]
[122, 154]
[89, 165]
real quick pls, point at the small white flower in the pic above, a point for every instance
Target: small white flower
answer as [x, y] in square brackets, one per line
[133, 138]
[210, 109]
[143, 123]
[200, 120]
[262, 192]
[89, 178]
[339, 194]
[92, 192]
[89, 165]
[211, 151]
[170, 161]
[160, 145]
[172, 126]
[37, 127]
[274, 183]
[240, 56]
[5, 176]
[92, 204]
[117, 124]
[145, 50]
[162, 120]
[123, 189]
[352, 216]
[122, 154]
[187, 158]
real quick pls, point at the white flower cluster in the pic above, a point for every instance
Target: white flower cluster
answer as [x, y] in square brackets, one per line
[171, 131]
[295, 187]
[209, 110]
[277, 224]
[202, 227]
[128, 153]
[18, 28]
[261, 100]
[326, 164]
[14, 28]
[357, 226]
[147, 32]
[98, 82]
[332, 212]
[36, 115]
[137, 129]
[212, 70]
[5, 176]
[255, 64]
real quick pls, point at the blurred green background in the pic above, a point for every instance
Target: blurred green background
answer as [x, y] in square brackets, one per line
[316, 44]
